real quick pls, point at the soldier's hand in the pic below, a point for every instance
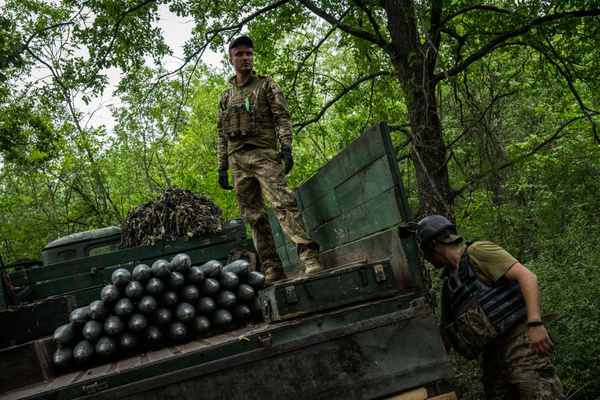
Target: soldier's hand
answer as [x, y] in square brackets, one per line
[224, 180]
[540, 341]
[286, 155]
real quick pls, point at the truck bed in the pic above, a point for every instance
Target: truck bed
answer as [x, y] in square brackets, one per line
[357, 352]
[356, 208]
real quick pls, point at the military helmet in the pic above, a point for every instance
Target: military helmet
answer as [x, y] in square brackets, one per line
[432, 225]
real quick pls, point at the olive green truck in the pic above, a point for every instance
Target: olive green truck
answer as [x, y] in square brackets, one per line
[363, 328]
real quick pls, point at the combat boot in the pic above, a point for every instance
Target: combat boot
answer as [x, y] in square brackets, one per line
[312, 266]
[274, 274]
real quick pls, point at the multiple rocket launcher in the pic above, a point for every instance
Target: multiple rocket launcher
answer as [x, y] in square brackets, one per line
[168, 301]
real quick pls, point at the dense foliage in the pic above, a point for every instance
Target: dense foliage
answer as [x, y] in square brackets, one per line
[492, 107]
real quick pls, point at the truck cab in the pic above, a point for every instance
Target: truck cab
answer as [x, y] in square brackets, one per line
[82, 244]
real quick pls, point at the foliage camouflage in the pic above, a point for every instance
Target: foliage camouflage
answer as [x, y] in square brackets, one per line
[176, 213]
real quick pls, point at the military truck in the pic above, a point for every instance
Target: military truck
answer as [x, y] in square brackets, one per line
[364, 328]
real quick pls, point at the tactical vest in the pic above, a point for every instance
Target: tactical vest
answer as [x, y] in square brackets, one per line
[503, 304]
[242, 118]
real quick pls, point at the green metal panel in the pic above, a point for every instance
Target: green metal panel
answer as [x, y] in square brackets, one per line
[358, 193]
[20, 367]
[278, 236]
[386, 245]
[322, 211]
[365, 185]
[356, 365]
[327, 290]
[362, 187]
[411, 250]
[367, 148]
[283, 255]
[292, 254]
[81, 275]
[125, 256]
[31, 321]
[362, 352]
[371, 217]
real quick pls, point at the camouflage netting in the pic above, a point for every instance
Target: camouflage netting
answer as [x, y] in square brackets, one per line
[177, 212]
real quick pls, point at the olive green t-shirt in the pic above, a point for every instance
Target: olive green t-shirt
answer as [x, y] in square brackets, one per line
[490, 262]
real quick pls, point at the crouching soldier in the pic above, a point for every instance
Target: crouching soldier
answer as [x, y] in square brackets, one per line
[491, 306]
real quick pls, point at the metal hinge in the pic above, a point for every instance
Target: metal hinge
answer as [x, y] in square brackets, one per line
[265, 340]
[363, 274]
[94, 387]
[309, 288]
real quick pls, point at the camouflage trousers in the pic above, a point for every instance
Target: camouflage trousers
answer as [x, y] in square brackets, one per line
[514, 371]
[254, 173]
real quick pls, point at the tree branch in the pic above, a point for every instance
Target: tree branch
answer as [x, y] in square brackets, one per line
[434, 41]
[464, 132]
[493, 44]
[209, 36]
[377, 39]
[303, 124]
[314, 50]
[116, 28]
[554, 136]
[567, 75]
[471, 8]
[369, 14]
[25, 46]
[213, 33]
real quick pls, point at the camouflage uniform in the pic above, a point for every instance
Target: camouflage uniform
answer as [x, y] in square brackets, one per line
[252, 159]
[511, 370]
[275, 125]
[514, 371]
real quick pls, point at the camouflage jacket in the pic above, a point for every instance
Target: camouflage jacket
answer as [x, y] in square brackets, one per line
[272, 103]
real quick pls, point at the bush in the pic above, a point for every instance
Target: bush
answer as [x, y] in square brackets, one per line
[567, 270]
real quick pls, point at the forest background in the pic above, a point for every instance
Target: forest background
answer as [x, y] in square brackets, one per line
[492, 106]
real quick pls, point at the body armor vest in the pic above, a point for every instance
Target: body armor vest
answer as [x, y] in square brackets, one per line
[503, 304]
[242, 117]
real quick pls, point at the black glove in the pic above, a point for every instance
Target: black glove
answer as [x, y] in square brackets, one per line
[286, 155]
[224, 180]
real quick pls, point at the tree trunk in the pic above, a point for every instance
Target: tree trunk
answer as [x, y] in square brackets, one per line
[414, 62]
[428, 154]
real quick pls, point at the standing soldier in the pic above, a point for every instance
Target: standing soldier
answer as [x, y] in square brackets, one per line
[253, 114]
[491, 306]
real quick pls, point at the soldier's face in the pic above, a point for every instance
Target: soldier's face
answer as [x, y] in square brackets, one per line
[242, 58]
[442, 255]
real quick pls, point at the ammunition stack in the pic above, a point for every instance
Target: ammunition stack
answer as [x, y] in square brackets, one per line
[154, 306]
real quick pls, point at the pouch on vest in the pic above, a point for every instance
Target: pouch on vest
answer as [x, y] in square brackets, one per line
[242, 117]
[225, 125]
[234, 122]
[244, 122]
[471, 332]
